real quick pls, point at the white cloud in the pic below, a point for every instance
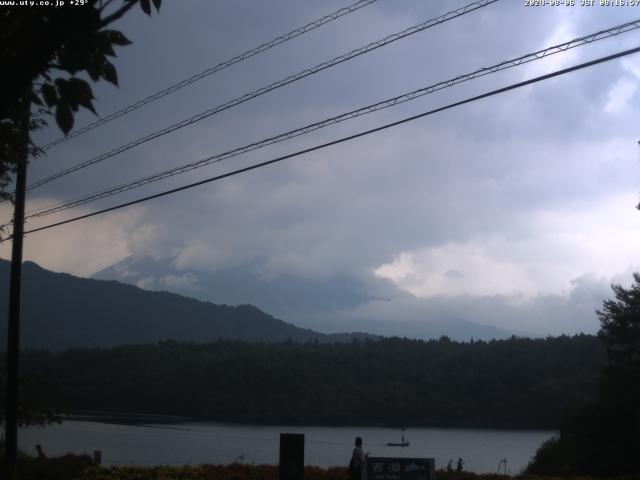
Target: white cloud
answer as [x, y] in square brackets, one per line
[424, 272]
[560, 246]
[632, 65]
[83, 247]
[564, 30]
[620, 94]
[187, 281]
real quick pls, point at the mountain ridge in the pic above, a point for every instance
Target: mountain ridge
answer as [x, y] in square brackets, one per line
[334, 303]
[60, 310]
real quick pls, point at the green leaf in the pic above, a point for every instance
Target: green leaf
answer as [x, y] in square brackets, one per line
[36, 99]
[80, 88]
[88, 104]
[61, 83]
[49, 94]
[81, 93]
[117, 38]
[94, 67]
[64, 117]
[109, 73]
[146, 6]
[66, 94]
[101, 44]
[63, 93]
[70, 59]
[107, 49]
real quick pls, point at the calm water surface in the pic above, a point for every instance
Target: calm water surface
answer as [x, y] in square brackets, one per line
[195, 443]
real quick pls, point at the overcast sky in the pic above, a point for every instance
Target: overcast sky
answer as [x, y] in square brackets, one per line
[517, 210]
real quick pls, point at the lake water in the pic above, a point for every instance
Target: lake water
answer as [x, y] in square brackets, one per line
[197, 443]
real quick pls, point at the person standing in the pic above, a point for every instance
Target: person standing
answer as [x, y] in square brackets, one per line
[459, 465]
[358, 462]
[41, 454]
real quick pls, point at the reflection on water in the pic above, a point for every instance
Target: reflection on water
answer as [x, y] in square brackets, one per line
[195, 443]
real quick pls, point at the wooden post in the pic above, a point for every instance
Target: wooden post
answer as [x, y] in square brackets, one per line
[13, 335]
[291, 456]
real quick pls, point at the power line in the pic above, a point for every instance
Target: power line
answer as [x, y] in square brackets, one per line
[343, 139]
[211, 70]
[261, 91]
[538, 55]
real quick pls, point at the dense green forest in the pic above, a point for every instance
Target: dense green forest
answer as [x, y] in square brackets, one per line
[511, 383]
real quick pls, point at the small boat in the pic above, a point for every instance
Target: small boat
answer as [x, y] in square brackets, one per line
[403, 443]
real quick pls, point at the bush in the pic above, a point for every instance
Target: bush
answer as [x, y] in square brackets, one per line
[66, 467]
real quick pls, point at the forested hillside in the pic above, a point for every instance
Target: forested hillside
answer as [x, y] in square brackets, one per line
[61, 311]
[508, 383]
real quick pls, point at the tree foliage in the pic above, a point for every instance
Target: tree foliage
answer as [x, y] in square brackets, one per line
[40, 403]
[44, 54]
[603, 439]
[620, 330]
[508, 383]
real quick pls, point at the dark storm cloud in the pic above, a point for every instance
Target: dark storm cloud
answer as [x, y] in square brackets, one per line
[521, 168]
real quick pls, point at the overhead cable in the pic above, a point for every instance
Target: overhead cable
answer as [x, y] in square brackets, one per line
[341, 140]
[211, 70]
[391, 102]
[261, 91]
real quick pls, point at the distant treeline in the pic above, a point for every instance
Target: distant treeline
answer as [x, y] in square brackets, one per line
[515, 383]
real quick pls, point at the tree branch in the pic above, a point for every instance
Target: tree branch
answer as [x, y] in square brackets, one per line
[117, 14]
[105, 5]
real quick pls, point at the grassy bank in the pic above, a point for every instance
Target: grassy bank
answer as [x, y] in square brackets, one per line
[67, 467]
[81, 467]
[267, 472]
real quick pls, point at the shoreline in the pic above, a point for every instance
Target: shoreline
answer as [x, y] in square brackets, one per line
[150, 419]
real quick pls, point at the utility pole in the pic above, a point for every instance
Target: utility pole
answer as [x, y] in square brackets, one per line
[638, 206]
[13, 336]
